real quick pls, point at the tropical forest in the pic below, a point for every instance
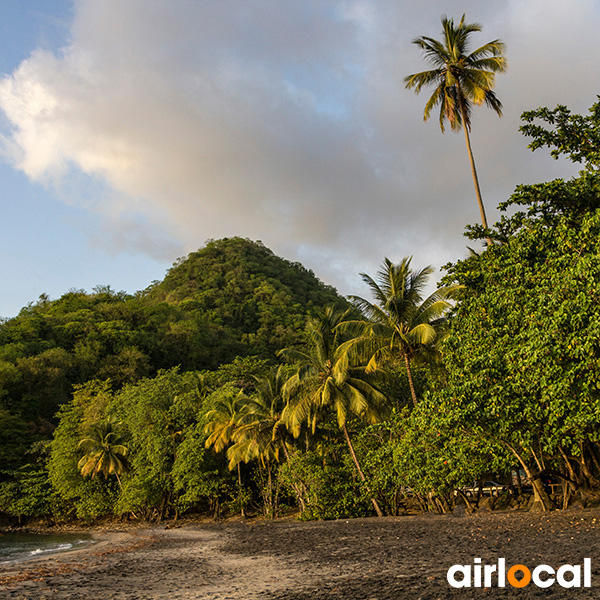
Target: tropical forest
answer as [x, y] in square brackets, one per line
[241, 384]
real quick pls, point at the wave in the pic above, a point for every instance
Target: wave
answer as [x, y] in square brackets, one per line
[20, 547]
[57, 548]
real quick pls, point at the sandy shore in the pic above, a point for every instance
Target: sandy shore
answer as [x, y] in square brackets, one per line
[362, 559]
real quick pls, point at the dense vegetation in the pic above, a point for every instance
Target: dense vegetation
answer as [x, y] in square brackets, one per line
[240, 383]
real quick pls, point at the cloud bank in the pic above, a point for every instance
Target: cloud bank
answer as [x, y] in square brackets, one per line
[288, 122]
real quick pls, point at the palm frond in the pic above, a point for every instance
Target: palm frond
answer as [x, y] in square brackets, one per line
[491, 101]
[460, 77]
[437, 98]
[374, 287]
[422, 334]
[371, 311]
[435, 52]
[420, 80]
[493, 50]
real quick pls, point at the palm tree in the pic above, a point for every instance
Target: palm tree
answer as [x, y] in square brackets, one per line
[222, 422]
[261, 433]
[462, 79]
[327, 380]
[400, 323]
[105, 451]
[224, 416]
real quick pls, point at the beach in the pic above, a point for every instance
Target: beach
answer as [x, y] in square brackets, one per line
[393, 558]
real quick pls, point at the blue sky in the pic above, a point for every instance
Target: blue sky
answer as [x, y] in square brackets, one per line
[46, 245]
[134, 130]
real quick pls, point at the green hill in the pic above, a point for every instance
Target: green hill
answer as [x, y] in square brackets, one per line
[232, 298]
[258, 298]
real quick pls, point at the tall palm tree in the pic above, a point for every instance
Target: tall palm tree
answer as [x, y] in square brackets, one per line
[327, 380]
[400, 322]
[461, 79]
[105, 451]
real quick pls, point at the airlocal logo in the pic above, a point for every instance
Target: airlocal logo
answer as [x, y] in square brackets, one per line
[478, 575]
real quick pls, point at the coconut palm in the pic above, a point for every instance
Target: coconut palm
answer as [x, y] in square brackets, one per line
[105, 451]
[461, 79]
[400, 323]
[327, 380]
[224, 416]
[261, 434]
[223, 420]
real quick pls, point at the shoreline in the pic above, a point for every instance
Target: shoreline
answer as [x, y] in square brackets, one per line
[68, 561]
[352, 559]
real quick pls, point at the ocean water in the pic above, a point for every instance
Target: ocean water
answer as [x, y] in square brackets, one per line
[17, 547]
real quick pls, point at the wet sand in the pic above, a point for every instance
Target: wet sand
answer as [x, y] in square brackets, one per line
[394, 558]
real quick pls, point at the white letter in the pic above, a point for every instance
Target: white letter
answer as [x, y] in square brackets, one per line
[560, 576]
[477, 572]
[501, 572]
[587, 572]
[543, 583]
[487, 578]
[466, 580]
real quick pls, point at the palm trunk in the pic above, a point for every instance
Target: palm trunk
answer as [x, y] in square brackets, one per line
[463, 115]
[242, 512]
[410, 378]
[270, 484]
[295, 487]
[360, 471]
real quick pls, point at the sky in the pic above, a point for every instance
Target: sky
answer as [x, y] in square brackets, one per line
[132, 131]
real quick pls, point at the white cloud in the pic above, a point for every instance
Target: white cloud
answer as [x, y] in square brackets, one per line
[286, 122]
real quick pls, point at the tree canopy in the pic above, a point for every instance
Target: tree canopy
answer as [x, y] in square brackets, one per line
[523, 352]
[143, 406]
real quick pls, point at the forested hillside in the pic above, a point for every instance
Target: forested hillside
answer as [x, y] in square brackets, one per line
[240, 384]
[233, 298]
[258, 299]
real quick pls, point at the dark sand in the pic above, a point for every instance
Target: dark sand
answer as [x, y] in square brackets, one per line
[363, 559]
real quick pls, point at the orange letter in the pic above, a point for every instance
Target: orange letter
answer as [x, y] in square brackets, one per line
[514, 581]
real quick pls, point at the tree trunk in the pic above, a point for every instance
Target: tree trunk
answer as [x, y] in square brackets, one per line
[463, 115]
[470, 507]
[360, 472]
[437, 504]
[538, 462]
[592, 453]
[270, 503]
[589, 479]
[410, 378]
[297, 489]
[541, 500]
[242, 512]
[566, 495]
[519, 482]
[570, 486]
